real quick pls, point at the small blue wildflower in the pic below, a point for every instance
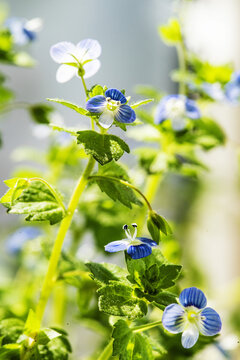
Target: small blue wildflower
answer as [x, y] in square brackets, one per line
[137, 247]
[177, 108]
[191, 317]
[76, 60]
[232, 88]
[16, 240]
[112, 107]
[214, 91]
[23, 31]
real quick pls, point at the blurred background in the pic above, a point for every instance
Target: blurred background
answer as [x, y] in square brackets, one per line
[132, 53]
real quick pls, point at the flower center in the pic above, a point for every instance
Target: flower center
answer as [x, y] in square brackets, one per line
[132, 236]
[193, 314]
[112, 105]
[175, 108]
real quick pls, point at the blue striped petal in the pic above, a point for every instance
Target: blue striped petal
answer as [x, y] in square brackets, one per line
[193, 297]
[139, 251]
[190, 336]
[116, 95]
[96, 104]
[192, 110]
[173, 318]
[147, 241]
[115, 246]
[210, 322]
[125, 114]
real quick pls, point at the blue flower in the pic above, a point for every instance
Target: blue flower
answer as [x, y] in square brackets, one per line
[76, 60]
[177, 108]
[233, 88]
[191, 317]
[137, 247]
[23, 31]
[214, 91]
[16, 240]
[111, 107]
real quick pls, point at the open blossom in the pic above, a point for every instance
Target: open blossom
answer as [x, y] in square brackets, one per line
[111, 107]
[23, 31]
[137, 247]
[177, 108]
[76, 60]
[191, 317]
[233, 88]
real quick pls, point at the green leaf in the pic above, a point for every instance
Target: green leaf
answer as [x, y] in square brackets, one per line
[41, 113]
[107, 180]
[140, 103]
[57, 348]
[96, 90]
[119, 300]
[10, 352]
[162, 299]
[35, 199]
[10, 330]
[70, 105]
[129, 345]
[160, 223]
[62, 128]
[103, 147]
[171, 33]
[46, 335]
[104, 273]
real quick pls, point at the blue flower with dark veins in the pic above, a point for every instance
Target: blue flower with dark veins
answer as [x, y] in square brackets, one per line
[191, 317]
[111, 107]
[137, 247]
[22, 30]
[15, 241]
[177, 108]
[232, 88]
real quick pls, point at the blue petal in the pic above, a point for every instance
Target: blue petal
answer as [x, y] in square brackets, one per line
[192, 110]
[233, 92]
[161, 113]
[16, 240]
[147, 241]
[212, 324]
[125, 114]
[96, 104]
[190, 336]
[173, 318]
[116, 95]
[193, 297]
[139, 251]
[115, 246]
[30, 34]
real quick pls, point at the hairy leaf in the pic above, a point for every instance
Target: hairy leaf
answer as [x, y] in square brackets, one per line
[41, 113]
[70, 105]
[104, 273]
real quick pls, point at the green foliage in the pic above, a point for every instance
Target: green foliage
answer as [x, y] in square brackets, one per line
[103, 147]
[129, 345]
[33, 198]
[96, 90]
[140, 103]
[105, 273]
[157, 224]
[41, 113]
[107, 181]
[10, 330]
[70, 105]
[171, 33]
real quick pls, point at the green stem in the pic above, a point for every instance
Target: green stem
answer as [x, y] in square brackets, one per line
[85, 87]
[55, 255]
[107, 351]
[182, 66]
[146, 326]
[126, 184]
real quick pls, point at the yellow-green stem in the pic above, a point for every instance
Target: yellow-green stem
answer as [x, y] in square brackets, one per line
[107, 352]
[146, 326]
[65, 224]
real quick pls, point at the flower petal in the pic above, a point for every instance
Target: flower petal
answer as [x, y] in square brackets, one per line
[139, 251]
[211, 323]
[16, 28]
[161, 113]
[233, 92]
[125, 114]
[178, 124]
[193, 297]
[106, 119]
[116, 95]
[115, 246]
[90, 47]
[91, 68]
[96, 104]
[61, 51]
[65, 73]
[192, 110]
[173, 319]
[190, 336]
[147, 241]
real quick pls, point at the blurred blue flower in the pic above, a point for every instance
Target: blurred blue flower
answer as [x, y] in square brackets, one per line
[16, 240]
[233, 88]
[214, 91]
[112, 107]
[23, 31]
[137, 247]
[191, 317]
[76, 60]
[177, 108]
